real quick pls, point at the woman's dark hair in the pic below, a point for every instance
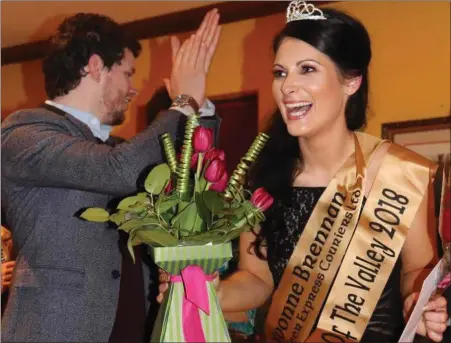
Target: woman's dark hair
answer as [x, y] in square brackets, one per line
[347, 43]
[77, 39]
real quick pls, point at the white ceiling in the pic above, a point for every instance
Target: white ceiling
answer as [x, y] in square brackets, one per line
[26, 21]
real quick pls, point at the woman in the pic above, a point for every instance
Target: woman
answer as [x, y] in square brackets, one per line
[343, 201]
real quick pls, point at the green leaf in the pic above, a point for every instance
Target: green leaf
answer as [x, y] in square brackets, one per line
[189, 217]
[95, 214]
[130, 247]
[157, 179]
[204, 212]
[118, 218]
[182, 207]
[136, 241]
[202, 183]
[167, 216]
[236, 219]
[202, 238]
[167, 204]
[234, 211]
[260, 216]
[234, 234]
[156, 237]
[222, 222]
[213, 201]
[129, 203]
[138, 223]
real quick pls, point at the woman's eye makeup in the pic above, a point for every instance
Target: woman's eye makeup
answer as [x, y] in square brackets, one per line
[307, 69]
[277, 73]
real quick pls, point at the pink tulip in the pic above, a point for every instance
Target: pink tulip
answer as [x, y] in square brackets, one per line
[261, 199]
[214, 154]
[202, 139]
[215, 171]
[221, 185]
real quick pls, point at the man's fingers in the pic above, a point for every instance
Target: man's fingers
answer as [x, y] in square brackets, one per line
[175, 47]
[181, 54]
[211, 29]
[195, 51]
[188, 51]
[200, 31]
[200, 63]
[212, 48]
[205, 24]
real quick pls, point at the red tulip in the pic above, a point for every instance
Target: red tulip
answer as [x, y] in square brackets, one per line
[446, 220]
[214, 154]
[221, 185]
[202, 139]
[194, 159]
[215, 171]
[169, 187]
[261, 199]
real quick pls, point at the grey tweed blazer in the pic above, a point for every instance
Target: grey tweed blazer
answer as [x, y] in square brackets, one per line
[66, 285]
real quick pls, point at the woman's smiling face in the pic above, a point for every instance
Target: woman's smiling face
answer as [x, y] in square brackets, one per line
[307, 87]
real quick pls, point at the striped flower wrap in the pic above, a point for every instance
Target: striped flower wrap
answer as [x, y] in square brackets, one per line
[168, 326]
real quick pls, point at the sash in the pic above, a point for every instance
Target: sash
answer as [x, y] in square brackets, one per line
[323, 247]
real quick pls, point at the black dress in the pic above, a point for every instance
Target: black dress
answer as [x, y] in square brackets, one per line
[386, 322]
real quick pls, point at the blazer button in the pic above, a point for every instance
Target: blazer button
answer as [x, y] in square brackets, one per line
[115, 274]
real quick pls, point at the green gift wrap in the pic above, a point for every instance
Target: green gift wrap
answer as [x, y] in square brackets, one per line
[170, 325]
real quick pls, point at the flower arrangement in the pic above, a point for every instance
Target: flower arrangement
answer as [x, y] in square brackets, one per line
[189, 213]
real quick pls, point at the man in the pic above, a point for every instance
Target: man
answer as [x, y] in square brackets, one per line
[59, 159]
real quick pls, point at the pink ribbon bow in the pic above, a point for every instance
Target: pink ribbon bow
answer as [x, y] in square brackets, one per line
[195, 299]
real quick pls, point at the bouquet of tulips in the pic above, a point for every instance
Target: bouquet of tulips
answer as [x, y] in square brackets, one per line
[189, 213]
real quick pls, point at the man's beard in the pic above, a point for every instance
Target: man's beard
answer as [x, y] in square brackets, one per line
[116, 118]
[115, 110]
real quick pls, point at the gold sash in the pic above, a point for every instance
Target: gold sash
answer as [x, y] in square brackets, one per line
[322, 247]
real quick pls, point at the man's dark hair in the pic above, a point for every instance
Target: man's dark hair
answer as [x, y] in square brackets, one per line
[78, 38]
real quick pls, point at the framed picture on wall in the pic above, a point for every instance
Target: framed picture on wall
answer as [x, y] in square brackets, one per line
[428, 137]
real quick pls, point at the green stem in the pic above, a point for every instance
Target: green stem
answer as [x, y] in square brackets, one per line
[198, 174]
[246, 220]
[200, 159]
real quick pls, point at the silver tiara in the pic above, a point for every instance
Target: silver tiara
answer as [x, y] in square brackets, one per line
[300, 10]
